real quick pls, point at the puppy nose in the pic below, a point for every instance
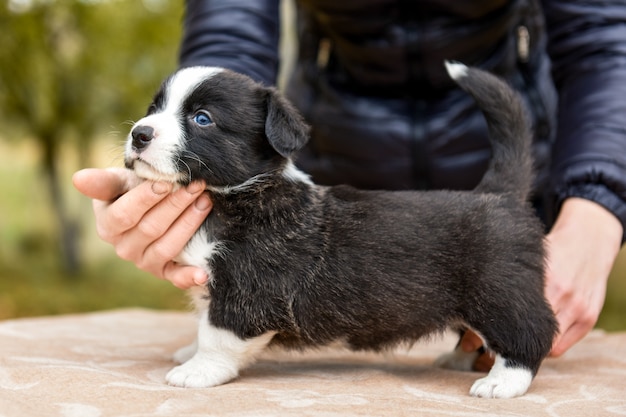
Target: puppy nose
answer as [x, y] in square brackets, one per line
[142, 136]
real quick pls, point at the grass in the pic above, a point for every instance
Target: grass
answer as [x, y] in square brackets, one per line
[42, 289]
[33, 283]
[32, 279]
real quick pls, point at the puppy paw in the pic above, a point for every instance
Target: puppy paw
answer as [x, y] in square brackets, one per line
[183, 354]
[502, 382]
[458, 360]
[199, 372]
[490, 387]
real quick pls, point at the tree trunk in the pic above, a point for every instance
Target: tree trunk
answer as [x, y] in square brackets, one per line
[68, 229]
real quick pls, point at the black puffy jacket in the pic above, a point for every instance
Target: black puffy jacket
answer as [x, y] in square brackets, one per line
[369, 78]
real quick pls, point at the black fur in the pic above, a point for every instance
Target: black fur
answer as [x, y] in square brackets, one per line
[371, 268]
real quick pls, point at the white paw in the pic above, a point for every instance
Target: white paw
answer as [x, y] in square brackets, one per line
[216, 356]
[458, 360]
[183, 354]
[492, 387]
[200, 372]
[502, 382]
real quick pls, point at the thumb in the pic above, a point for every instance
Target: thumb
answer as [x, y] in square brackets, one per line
[104, 184]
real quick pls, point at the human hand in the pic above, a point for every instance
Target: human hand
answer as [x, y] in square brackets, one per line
[581, 247]
[145, 221]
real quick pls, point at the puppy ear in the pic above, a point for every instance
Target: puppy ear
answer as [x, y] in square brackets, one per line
[285, 128]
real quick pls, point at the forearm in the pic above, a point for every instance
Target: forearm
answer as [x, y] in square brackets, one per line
[588, 50]
[240, 35]
[589, 155]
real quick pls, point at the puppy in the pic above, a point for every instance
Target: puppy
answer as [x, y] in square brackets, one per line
[299, 265]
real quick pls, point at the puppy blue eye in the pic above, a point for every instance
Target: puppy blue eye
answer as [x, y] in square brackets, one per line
[202, 118]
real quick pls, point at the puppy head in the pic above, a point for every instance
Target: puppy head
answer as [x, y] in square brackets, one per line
[213, 124]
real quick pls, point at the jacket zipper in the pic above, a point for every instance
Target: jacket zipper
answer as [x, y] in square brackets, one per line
[523, 44]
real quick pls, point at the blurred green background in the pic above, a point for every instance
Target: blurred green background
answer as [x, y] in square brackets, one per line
[73, 76]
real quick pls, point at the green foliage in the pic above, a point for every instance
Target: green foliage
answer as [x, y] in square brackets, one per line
[71, 70]
[77, 67]
[33, 281]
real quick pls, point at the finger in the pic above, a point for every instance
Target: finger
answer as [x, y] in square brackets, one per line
[104, 184]
[566, 340]
[115, 218]
[184, 277]
[159, 219]
[573, 333]
[175, 237]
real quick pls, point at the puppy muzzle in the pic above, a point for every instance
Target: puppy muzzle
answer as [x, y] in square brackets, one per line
[142, 136]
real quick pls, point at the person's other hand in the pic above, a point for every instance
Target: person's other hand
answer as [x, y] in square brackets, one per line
[582, 247]
[145, 221]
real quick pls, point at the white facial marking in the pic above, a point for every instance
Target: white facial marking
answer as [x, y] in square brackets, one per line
[219, 357]
[158, 160]
[502, 381]
[182, 84]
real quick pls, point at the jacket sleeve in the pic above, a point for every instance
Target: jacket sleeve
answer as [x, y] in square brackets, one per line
[587, 44]
[241, 35]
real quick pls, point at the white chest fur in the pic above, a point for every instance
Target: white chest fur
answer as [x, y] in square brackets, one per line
[217, 354]
[199, 251]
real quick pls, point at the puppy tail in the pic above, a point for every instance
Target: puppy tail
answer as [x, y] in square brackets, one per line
[510, 169]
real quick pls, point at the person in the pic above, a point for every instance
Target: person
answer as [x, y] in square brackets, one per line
[369, 79]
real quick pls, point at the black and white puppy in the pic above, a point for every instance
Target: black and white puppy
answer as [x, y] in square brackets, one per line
[299, 265]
